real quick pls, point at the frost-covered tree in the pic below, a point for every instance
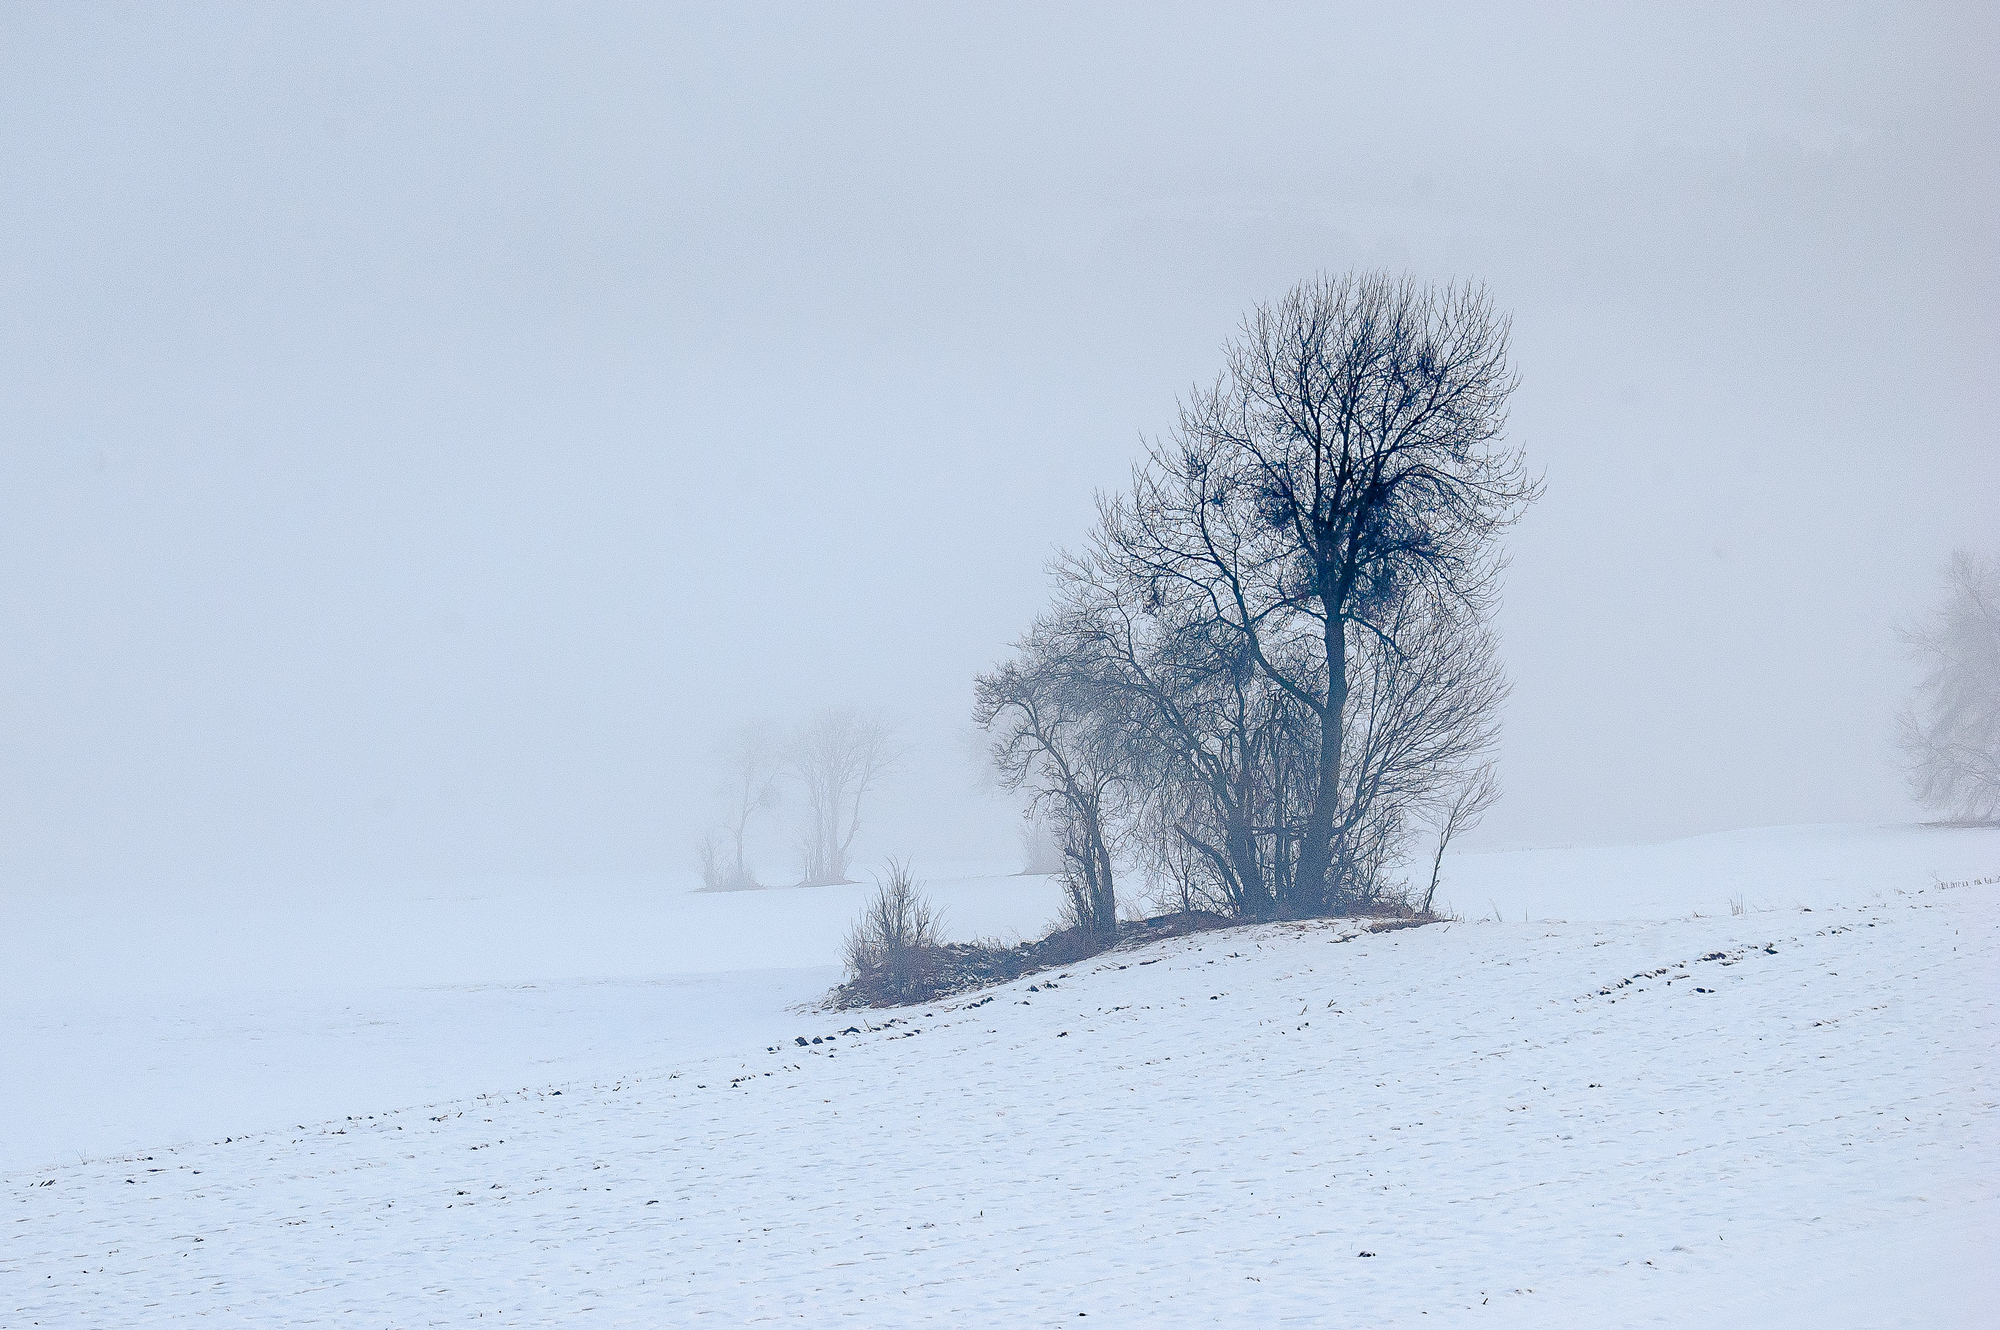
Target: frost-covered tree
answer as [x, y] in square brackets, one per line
[1950, 733]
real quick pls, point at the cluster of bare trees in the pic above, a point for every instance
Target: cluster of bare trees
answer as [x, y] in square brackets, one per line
[1950, 734]
[1270, 662]
[831, 762]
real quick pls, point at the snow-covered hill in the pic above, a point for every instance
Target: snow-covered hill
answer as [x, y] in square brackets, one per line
[1782, 1117]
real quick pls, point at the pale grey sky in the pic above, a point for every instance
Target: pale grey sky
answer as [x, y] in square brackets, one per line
[422, 428]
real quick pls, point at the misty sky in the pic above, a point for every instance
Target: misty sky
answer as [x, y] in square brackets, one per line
[423, 429]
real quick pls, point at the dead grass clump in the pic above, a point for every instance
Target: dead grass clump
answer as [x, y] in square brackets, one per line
[893, 949]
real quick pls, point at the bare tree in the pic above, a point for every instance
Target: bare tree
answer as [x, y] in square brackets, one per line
[714, 869]
[1350, 455]
[1422, 715]
[750, 761]
[837, 758]
[1460, 811]
[1179, 880]
[1273, 650]
[1950, 734]
[1203, 732]
[1055, 740]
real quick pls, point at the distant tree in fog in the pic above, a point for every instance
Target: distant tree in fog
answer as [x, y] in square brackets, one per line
[837, 758]
[1950, 733]
[751, 762]
[748, 764]
[715, 874]
[1041, 852]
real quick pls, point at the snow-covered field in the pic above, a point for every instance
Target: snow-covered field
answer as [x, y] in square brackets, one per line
[132, 1022]
[530, 1109]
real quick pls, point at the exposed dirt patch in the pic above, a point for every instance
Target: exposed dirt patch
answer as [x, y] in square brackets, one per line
[962, 967]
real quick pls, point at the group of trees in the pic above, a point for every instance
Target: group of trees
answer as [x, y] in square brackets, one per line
[1269, 667]
[832, 762]
[1270, 662]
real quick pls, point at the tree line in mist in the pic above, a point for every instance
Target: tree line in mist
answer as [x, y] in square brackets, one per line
[831, 763]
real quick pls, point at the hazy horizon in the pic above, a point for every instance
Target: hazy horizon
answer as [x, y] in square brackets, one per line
[428, 433]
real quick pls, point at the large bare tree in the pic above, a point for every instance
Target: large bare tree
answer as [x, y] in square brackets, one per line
[1350, 457]
[1274, 646]
[1950, 734]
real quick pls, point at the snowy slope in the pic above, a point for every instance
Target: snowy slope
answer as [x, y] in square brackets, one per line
[131, 1021]
[1761, 868]
[1780, 1118]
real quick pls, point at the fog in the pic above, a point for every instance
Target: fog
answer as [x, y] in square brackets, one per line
[423, 437]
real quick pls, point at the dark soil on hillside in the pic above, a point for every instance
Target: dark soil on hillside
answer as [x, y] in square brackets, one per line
[961, 967]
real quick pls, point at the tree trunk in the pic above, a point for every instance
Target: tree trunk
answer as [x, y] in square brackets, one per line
[1311, 892]
[1097, 907]
[1104, 895]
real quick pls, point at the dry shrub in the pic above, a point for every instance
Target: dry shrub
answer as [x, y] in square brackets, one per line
[894, 945]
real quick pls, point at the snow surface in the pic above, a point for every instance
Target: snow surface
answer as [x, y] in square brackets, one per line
[1656, 1112]
[132, 1022]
